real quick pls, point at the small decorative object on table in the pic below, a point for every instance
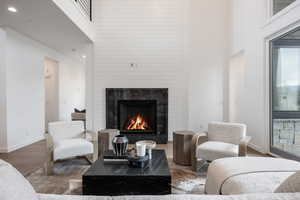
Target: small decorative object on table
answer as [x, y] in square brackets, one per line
[110, 157]
[140, 150]
[149, 146]
[138, 161]
[120, 145]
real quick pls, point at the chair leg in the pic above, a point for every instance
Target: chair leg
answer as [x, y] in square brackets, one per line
[193, 158]
[96, 151]
[194, 165]
[202, 164]
[193, 162]
[95, 157]
[49, 166]
[89, 158]
[243, 150]
[199, 163]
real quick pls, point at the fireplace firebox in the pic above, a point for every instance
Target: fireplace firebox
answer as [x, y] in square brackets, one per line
[139, 113]
[137, 116]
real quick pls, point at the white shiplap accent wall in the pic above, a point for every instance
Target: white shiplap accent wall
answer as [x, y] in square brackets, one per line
[149, 34]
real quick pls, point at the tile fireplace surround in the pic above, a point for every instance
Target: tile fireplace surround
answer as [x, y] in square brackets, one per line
[160, 95]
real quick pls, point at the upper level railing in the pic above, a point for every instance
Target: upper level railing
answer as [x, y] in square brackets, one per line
[86, 6]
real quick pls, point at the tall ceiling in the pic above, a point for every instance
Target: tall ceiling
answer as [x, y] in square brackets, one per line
[43, 21]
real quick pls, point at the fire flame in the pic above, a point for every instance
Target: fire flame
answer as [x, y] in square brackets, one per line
[137, 123]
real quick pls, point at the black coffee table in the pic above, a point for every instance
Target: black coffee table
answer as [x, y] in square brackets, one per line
[112, 179]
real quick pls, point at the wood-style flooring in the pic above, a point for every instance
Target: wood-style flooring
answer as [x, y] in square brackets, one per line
[27, 159]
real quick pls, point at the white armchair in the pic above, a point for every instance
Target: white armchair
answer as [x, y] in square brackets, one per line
[69, 139]
[222, 140]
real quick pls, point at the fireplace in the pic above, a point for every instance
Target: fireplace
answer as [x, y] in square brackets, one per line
[137, 116]
[139, 113]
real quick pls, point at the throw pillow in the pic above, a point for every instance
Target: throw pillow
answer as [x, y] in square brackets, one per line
[79, 111]
[290, 185]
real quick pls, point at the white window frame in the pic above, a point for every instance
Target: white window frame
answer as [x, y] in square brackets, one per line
[270, 8]
[284, 10]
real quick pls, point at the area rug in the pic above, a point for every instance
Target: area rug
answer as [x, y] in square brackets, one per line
[67, 178]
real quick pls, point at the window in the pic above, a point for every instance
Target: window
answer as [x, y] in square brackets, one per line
[287, 79]
[278, 5]
[285, 101]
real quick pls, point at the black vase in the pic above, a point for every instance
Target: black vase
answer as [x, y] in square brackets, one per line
[120, 145]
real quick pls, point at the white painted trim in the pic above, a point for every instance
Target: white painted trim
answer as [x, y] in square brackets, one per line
[280, 14]
[282, 31]
[23, 144]
[274, 155]
[257, 148]
[267, 94]
[270, 4]
[3, 150]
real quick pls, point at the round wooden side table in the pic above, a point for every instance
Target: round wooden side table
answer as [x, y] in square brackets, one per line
[182, 143]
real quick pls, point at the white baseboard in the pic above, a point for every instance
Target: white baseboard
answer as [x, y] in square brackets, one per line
[3, 150]
[20, 145]
[257, 148]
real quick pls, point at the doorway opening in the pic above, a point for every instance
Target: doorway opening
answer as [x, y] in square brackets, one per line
[51, 72]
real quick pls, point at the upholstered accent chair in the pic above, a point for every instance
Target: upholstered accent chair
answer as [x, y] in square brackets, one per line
[70, 139]
[222, 140]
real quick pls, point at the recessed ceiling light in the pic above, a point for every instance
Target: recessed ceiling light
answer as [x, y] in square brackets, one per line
[83, 56]
[12, 9]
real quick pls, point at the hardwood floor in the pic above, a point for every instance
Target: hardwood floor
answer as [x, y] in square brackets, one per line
[32, 157]
[27, 159]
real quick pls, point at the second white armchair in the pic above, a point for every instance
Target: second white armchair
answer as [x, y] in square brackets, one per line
[222, 140]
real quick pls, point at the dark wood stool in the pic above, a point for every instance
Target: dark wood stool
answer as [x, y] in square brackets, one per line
[182, 144]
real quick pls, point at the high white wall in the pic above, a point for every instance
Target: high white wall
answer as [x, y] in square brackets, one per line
[253, 106]
[25, 90]
[247, 38]
[172, 46]
[236, 86]
[237, 25]
[206, 56]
